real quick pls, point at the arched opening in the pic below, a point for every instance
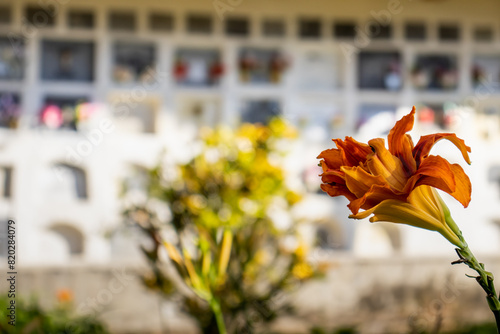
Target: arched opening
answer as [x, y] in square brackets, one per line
[330, 235]
[72, 236]
[394, 235]
[136, 179]
[74, 176]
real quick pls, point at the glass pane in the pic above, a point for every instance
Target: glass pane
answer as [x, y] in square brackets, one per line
[11, 59]
[71, 61]
[261, 65]
[486, 71]
[81, 19]
[273, 28]
[137, 118]
[415, 31]
[380, 70]
[260, 111]
[5, 15]
[61, 112]
[344, 30]
[39, 17]
[448, 32]
[483, 34]
[318, 70]
[435, 71]
[378, 31]
[310, 28]
[133, 62]
[199, 24]
[198, 67]
[10, 110]
[161, 22]
[122, 21]
[237, 27]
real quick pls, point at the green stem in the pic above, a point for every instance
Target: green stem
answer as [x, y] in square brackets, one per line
[219, 317]
[485, 278]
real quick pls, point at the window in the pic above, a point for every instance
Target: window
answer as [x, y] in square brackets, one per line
[432, 113]
[260, 111]
[122, 21]
[198, 67]
[62, 112]
[273, 28]
[484, 69]
[6, 177]
[379, 70]
[435, 71]
[11, 59]
[133, 62]
[344, 30]
[161, 22]
[137, 118]
[318, 70]
[415, 31]
[258, 65]
[378, 31]
[5, 15]
[10, 110]
[80, 19]
[448, 33]
[309, 28]
[72, 236]
[237, 27]
[199, 24]
[483, 34]
[69, 61]
[39, 17]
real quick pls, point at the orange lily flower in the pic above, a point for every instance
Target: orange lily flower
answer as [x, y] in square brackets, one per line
[397, 184]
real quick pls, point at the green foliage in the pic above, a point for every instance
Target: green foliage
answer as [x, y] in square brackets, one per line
[487, 328]
[344, 330]
[32, 319]
[221, 237]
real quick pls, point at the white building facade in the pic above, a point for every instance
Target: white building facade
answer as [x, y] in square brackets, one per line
[91, 92]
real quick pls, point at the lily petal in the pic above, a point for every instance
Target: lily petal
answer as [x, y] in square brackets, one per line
[425, 144]
[332, 158]
[401, 145]
[434, 171]
[353, 152]
[337, 190]
[426, 198]
[333, 176]
[463, 187]
[359, 181]
[373, 197]
[382, 162]
[405, 213]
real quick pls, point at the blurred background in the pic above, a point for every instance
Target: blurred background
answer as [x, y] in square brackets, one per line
[92, 92]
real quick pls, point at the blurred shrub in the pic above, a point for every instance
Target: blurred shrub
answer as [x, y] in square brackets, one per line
[32, 319]
[228, 232]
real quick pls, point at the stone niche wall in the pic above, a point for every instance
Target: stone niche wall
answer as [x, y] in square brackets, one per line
[374, 296]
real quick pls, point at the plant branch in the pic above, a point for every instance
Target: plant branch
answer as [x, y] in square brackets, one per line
[485, 278]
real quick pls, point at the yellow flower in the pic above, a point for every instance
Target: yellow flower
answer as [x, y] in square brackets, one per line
[302, 270]
[397, 184]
